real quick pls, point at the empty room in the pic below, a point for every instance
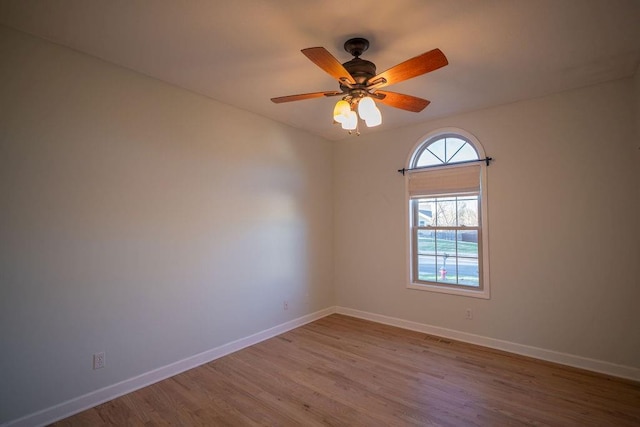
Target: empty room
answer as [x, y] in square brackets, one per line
[364, 213]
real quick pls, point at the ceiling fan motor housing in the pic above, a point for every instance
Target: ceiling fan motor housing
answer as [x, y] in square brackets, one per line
[360, 69]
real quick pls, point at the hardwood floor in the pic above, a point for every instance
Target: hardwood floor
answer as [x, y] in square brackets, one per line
[344, 371]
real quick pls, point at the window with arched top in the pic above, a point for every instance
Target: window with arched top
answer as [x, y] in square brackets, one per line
[447, 200]
[443, 150]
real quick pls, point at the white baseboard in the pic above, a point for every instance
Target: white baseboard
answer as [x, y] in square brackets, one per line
[79, 404]
[594, 365]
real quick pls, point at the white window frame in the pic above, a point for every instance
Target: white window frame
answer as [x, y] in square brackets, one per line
[483, 251]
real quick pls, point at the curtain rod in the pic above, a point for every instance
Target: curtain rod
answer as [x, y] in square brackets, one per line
[486, 160]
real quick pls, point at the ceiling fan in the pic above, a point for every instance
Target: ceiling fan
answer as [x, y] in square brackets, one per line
[358, 82]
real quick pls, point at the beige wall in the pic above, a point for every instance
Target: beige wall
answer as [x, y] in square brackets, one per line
[563, 225]
[143, 220]
[152, 223]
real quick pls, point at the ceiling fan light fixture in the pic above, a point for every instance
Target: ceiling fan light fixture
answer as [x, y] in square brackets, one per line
[375, 119]
[341, 111]
[366, 108]
[351, 123]
[369, 112]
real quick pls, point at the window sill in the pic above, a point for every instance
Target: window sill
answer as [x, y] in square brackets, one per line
[481, 293]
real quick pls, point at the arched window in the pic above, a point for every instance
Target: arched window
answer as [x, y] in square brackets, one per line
[443, 150]
[447, 200]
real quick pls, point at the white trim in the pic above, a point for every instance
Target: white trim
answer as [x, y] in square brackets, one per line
[94, 398]
[621, 371]
[443, 289]
[89, 400]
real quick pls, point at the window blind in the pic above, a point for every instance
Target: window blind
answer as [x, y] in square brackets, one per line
[459, 179]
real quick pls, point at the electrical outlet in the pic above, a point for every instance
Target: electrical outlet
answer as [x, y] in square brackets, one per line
[98, 360]
[285, 305]
[469, 314]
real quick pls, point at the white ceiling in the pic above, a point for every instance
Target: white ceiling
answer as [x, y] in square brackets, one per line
[244, 52]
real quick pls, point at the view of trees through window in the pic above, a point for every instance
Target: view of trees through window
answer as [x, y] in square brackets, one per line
[446, 237]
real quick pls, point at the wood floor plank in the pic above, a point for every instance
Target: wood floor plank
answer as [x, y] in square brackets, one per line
[344, 371]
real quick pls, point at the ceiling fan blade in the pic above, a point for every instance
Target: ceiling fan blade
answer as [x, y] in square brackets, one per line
[402, 101]
[413, 67]
[303, 96]
[323, 59]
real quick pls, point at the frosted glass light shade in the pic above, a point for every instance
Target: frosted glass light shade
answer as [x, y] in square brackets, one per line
[351, 122]
[341, 111]
[366, 108]
[374, 119]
